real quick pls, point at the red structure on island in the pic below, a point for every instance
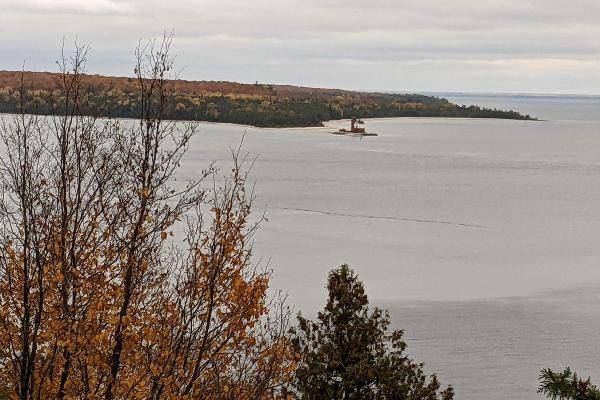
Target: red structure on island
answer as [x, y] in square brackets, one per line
[357, 128]
[354, 128]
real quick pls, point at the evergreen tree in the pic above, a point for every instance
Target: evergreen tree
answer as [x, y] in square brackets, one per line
[348, 353]
[567, 385]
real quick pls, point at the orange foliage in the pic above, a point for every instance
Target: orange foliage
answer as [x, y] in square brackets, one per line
[94, 302]
[51, 81]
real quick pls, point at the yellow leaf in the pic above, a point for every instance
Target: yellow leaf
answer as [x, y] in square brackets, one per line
[145, 192]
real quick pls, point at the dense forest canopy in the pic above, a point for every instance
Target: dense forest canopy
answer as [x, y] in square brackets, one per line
[262, 105]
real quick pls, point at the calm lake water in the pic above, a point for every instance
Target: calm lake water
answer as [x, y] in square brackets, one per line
[482, 237]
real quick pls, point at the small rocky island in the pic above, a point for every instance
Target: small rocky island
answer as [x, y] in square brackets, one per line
[357, 128]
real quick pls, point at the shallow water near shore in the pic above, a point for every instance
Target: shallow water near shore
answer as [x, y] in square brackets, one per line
[480, 236]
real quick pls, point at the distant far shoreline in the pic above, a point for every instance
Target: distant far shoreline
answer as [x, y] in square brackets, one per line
[260, 105]
[334, 123]
[513, 95]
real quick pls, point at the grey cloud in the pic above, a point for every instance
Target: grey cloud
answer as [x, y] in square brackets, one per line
[68, 6]
[391, 44]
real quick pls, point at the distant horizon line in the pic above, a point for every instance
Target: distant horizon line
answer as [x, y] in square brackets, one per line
[505, 94]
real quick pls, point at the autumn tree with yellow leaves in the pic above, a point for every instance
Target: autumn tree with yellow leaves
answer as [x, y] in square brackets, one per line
[95, 300]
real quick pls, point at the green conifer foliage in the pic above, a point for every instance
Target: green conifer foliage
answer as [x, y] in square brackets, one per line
[566, 385]
[348, 354]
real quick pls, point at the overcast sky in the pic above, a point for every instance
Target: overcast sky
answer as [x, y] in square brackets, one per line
[541, 46]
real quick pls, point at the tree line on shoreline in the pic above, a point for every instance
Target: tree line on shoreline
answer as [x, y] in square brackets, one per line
[260, 105]
[97, 300]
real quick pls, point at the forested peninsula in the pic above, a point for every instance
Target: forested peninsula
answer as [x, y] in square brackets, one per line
[261, 105]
